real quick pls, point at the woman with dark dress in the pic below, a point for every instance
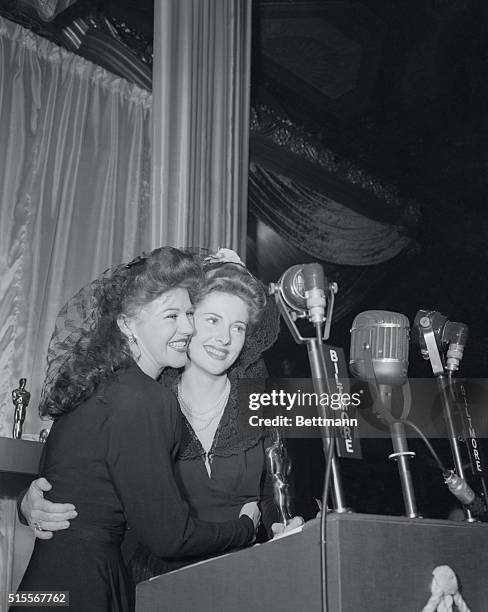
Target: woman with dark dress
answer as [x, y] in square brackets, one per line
[221, 458]
[220, 462]
[111, 448]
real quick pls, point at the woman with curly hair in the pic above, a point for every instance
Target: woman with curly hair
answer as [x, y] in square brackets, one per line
[111, 447]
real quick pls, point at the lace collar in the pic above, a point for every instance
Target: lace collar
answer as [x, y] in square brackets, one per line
[233, 436]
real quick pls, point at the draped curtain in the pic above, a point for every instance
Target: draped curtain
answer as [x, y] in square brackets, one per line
[74, 193]
[323, 227]
[308, 204]
[201, 85]
[325, 206]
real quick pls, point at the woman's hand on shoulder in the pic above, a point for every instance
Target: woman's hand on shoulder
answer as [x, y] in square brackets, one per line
[44, 516]
[279, 529]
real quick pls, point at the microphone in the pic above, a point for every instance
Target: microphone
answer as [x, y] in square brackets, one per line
[303, 292]
[449, 335]
[434, 333]
[303, 289]
[379, 347]
[379, 352]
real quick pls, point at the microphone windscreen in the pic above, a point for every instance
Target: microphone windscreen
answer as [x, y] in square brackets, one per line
[380, 339]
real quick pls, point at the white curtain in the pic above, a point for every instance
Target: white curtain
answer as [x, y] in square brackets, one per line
[74, 193]
[201, 84]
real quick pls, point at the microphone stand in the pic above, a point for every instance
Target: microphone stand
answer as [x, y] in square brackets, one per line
[321, 385]
[443, 383]
[320, 382]
[400, 454]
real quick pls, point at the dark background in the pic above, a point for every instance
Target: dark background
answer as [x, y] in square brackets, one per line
[415, 117]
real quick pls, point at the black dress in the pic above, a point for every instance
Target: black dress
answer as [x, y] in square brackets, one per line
[238, 475]
[112, 458]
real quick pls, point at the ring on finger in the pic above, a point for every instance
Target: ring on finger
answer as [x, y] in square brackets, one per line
[37, 526]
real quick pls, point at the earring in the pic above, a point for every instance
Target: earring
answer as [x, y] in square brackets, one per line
[135, 350]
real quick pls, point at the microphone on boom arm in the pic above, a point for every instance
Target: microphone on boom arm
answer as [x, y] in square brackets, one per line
[443, 342]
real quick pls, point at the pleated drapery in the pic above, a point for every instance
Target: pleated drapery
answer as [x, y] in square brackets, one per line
[327, 207]
[74, 193]
[324, 228]
[201, 85]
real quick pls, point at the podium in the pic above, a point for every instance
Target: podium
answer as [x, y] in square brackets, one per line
[19, 464]
[19, 461]
[374, 564]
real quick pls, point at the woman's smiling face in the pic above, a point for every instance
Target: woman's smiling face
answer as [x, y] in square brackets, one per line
[221, 321]
[162, 330]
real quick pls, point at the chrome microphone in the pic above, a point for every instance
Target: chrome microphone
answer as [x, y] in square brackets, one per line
[442, 342]
[379, 347]
[451, 337]
[303, 290]
[379, 353]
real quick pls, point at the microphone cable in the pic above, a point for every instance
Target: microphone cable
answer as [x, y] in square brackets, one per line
[456, 485]
[436, 457]
[323, 525]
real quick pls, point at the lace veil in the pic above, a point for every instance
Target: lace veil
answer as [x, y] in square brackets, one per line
[73, 327]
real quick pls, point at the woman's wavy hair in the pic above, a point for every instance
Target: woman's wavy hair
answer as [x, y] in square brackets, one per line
[235, 279]
[87, 346]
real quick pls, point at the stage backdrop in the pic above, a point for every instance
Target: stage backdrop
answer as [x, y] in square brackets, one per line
[75, 171]
[74, 193]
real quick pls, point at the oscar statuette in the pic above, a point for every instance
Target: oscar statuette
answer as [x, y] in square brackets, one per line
[279, 466]
[20, 399]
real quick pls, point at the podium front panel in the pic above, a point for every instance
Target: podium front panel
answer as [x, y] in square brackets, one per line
[374, 564]
[272, 576]
[385, 563]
